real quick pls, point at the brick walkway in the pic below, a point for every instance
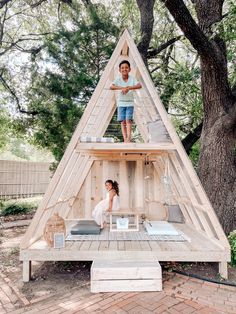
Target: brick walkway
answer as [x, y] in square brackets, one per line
[180, 295]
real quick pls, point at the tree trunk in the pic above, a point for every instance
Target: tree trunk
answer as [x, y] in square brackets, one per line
[147, 20]
[217, 163]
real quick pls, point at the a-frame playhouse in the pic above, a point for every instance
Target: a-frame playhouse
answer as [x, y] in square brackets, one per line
[78, 183]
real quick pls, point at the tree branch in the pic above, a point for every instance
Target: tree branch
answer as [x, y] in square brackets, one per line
[33, 50]
[17, 13]
[152, 53]
[36, 4]
[87, 3]
[41, 34]
[2, 24]
[192, 31]
[12, 92]
[191, 138]
[147, 20]
[4, 2]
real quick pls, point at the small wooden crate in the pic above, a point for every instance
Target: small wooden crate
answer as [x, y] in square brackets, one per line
[115, 276]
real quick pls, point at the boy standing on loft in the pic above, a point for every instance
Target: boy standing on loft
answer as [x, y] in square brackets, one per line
[125, 103]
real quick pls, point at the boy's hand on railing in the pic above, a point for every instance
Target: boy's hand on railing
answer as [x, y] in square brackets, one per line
[125, 90]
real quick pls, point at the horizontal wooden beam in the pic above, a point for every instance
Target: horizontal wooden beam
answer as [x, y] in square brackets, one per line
[87, 255]
[121, 156]
[125, 147]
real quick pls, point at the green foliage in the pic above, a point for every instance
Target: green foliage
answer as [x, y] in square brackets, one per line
[5, 128]
[58, 81]
[181, 95]
[18, 149]
[73, 62]
[16, 208]
[232, 242]
[194, 154]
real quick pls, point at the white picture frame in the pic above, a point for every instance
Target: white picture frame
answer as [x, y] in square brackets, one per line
[59, 240]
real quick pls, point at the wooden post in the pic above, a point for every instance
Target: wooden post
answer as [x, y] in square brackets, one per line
[26, 271]
[139, 186]
[124, 185]
[223, 269]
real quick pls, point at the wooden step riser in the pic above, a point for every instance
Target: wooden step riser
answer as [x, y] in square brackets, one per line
[126, 285]
[115, 276]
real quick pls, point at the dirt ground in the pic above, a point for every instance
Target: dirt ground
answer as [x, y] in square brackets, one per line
[50, 278]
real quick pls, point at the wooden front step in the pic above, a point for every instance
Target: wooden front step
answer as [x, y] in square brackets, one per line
[115, 276]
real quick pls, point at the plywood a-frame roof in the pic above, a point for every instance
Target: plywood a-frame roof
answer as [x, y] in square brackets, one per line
[78, 159]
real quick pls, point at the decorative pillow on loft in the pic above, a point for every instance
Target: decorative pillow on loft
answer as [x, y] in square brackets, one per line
[175, 214]
[157, 132]
[85, 227]
[94, 139]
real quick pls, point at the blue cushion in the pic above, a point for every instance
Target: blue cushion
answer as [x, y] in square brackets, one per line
[85, 227]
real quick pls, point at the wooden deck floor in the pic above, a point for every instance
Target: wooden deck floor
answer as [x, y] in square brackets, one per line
[199, 249]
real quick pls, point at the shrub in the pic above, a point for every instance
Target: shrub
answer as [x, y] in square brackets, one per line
[232, 242]
[16, 208]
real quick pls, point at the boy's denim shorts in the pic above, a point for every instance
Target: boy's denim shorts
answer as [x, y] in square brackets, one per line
[125, 113]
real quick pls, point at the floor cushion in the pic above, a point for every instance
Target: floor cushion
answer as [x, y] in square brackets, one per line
[159, 228]
[85, 227]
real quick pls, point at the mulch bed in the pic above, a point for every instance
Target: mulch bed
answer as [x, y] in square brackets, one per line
[18, 217]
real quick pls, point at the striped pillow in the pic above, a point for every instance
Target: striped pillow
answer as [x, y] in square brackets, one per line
[94, 139]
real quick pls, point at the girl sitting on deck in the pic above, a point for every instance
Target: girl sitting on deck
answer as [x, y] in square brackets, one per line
[110, 203]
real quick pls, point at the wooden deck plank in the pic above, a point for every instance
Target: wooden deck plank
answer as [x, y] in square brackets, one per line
[154, 245]
[113, 245]
[85, 245]
[199, 242]
[94, 246]
[135, 246]
[76, 245]
[104, 245]
[121, 245]
[145, 246]
[171, 246]
[128, 245]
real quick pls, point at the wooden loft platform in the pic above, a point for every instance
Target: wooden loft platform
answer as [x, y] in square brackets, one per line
[125, 147]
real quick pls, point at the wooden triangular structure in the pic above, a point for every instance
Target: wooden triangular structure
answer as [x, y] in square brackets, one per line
[73, 189]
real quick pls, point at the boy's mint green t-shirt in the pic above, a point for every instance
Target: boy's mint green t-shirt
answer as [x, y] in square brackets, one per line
[126, 100]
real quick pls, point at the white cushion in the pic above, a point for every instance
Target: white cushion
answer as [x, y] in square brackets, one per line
[159, 228]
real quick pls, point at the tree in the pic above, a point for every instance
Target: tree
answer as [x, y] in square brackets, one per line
[5, 130]
[73, 60]
[23, 80]
[217, 164]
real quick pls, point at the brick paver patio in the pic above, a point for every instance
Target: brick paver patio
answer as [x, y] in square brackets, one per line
[180, 295]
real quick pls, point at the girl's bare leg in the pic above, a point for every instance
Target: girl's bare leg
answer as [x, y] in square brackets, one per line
[124, 130]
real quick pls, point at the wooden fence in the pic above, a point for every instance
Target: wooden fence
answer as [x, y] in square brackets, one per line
[23, 178]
